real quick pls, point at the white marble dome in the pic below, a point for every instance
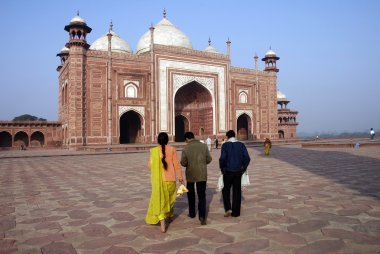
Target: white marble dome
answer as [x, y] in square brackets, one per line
[77, 19]
[281, 96]
[270, 52]
[165, 33]
[65, 50]
[117, 44]
[211, 49]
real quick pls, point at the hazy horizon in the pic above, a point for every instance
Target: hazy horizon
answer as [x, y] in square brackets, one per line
[329, 50]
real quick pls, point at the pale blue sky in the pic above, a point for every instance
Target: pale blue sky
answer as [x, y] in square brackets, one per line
[329, 50]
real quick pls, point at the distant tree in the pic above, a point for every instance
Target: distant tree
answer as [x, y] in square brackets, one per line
[27, 117]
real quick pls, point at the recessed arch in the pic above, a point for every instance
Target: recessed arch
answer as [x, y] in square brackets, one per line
[243, 97]
[130, 90]
[131, 130]
[243, 127]
[21, 139]
[181, 126]
[5, 139]
[195, 101]
[37, 139]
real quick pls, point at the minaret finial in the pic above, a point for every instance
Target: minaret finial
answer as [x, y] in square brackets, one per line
[209, 41]
[111, 25]
[270, 47]
[77, 13]
[164, 13]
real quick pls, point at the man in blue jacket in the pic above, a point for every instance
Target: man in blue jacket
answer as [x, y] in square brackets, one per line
[233, 162]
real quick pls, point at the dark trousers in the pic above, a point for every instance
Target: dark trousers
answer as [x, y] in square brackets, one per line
[201, 192]
[232, 180]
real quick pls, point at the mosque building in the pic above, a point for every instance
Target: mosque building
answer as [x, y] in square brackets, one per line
[110, 95]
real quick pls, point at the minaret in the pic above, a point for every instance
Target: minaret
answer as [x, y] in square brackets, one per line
[78, 31]
[271, 127]
[109, 87]
[152, 84]
[256, 61]
[77, 114]
[228, 47]
[270, 60]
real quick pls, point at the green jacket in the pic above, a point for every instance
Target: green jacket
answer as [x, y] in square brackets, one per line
[195, 157]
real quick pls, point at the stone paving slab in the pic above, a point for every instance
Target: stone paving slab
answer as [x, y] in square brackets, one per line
[299, 201]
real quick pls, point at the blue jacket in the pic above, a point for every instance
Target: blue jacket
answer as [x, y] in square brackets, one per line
[234, 157]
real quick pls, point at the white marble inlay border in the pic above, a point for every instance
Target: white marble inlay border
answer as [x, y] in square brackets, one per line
[181, 80]
[163, 89]
[239, 112]
[136, 82]
[138, 109]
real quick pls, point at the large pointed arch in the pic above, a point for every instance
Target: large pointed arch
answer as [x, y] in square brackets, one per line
[196, 103]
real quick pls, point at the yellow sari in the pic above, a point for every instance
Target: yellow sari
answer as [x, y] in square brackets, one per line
[267, 148]
[163, 193]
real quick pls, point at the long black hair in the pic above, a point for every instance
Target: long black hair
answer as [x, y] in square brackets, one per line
[163, 140]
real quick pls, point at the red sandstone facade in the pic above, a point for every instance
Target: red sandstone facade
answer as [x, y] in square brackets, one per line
[109, 95]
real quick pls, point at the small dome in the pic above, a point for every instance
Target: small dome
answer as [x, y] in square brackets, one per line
[64, 50]
[165, 33]
[270, 52]
[281, 96]
[117, 44]
[77, 19]
[211, 49]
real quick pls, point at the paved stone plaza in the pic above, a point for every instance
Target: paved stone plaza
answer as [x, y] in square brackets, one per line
[300, 201]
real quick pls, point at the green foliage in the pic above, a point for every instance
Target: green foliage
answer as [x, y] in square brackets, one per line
[27, 117]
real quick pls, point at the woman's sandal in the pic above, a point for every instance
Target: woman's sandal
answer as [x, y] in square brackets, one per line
[163, 226]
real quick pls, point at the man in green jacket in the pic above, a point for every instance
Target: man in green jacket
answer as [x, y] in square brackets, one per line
[195, 157]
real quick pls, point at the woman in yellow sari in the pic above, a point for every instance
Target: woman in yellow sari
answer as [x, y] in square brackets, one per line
[165, 168]
[267, 146]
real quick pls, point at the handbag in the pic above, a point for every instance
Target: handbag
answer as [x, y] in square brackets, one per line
[245, 179]
[220, 183]
[181, 189]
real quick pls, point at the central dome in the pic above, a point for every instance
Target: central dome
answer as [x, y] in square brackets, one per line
[165, 33]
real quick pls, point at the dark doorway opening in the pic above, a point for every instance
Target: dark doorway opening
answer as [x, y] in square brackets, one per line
[243, 123]
[21, 139]
[5, 139]
[130, 128]
[181, 126]
[37, 139]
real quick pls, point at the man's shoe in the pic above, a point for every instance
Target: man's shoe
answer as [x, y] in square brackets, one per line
[191, 216]
[203, 221]
[227, 214]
